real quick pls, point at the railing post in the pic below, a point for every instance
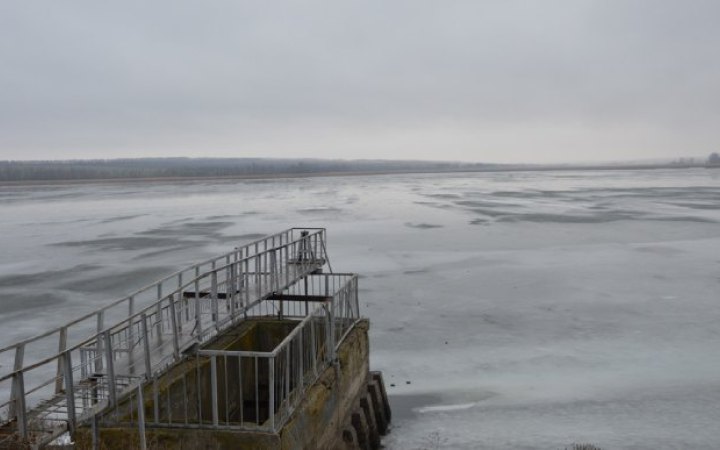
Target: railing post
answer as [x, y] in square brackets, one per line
[357, 298]
[302, 252]
[233, 288]
[313, 345]
[257, 393]
[229, 289]
[213, 386]
[181, 300]
[332, 329]
[301, 362]
[271, 398]
[83, 364]
[19, 409]
[17, 405]
[257, 275]
[69, 391]
[286, 397]
[156, 401]
[141, 418]
[98, 342]
[173, 323]
[131, 336]
[214, 299]
[146, 345]
[246, 281]
[198, 312]
[62, 345]
[314, 246]
[112, 394]
[158, 312]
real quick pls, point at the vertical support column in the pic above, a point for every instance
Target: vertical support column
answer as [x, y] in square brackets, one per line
[83, 365]
[181, 302]
[17, 395]
[158, 312]
[98, 342]
[272, 263]
[301, 361]
[156, 401]
[233, 288]
[141, 418]
[332, 331]
[314, 245]
[213, 387]
[19, 408]
[257, 394]
[198, 316]
[279, 260]
[241, 401]
[265, 267]
[214, 299]
[131, 334]
[70, 391]
[173, 323]
[131, 306]
[146, 346]
[286, 397]
[228, 284]
[62, 345]
[271, 396]
[112, 393]
[246, 281]
[302, 252]
[130, 337]
[313, 345]
[229, 290]
[258, 288]
[94, 429]
[274, 285]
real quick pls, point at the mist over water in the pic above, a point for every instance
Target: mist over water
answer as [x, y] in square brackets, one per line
[509, 310]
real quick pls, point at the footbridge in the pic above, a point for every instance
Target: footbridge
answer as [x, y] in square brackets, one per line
[152, 358]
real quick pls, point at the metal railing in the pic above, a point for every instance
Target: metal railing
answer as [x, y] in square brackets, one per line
[52, 381]
[252, 389]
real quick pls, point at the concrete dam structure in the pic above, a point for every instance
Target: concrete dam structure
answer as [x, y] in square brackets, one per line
[261, 348]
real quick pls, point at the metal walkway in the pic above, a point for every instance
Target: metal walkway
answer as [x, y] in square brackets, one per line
[53, 382]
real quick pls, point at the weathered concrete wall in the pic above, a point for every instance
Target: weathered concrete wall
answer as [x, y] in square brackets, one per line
[328, 405]
[344, 394]
[187, 384]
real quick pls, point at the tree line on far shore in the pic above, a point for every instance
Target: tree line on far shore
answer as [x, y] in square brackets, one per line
[143, 168]
[207, 167]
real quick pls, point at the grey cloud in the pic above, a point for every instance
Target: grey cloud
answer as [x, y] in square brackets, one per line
[475, 80]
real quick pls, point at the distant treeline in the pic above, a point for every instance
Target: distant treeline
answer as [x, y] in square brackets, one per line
[110, 169]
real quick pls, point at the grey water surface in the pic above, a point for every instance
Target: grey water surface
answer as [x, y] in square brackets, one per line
[517, 310]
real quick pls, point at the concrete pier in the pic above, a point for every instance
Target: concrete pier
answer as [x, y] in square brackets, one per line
[256, 348]
[345, 408]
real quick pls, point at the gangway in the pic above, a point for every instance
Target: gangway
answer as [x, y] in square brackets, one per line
[52, 383]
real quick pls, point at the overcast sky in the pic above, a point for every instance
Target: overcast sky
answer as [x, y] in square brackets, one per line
[496, 81]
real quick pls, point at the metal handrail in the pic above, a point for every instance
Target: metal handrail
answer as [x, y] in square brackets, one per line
[166, 308]
[135, 315]
[148, 288]
[338, 320]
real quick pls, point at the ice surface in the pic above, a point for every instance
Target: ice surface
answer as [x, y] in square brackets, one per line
[509, 310]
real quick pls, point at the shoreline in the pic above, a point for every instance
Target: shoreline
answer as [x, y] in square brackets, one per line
[273, 176]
